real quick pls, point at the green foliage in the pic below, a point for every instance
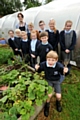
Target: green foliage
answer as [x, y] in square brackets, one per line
[31, 3]
[47, 1]
[9, 6]
[4, 99]
[5, 55]
[25, 90]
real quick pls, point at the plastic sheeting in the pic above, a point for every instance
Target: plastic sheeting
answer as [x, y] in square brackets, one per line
[60, 10]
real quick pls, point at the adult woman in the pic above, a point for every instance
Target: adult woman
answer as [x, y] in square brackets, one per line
[21, 25]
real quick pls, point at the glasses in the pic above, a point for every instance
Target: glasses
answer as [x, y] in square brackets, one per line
[68, 26]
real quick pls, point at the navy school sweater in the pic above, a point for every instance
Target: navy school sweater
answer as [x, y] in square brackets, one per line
[18, 42]
[42, 50]
[25, 47]
[51, 74]
[12, 43]
[53, 38]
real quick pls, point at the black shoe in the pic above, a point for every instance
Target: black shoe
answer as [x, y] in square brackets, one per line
[58, 106]
[46, 109]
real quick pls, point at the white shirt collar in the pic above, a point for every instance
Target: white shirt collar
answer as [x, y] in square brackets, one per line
[68, 31]
[51, 30]
[24, 40]
[34, 40]
[42, 30]
[45, 43]
[49, 66]
[12, 38]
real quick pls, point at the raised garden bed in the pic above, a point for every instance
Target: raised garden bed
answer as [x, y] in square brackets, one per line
[25, 91]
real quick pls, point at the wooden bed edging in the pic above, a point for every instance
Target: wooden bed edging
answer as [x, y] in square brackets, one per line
[37, 111]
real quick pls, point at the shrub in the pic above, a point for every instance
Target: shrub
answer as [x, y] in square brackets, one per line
[5, 54]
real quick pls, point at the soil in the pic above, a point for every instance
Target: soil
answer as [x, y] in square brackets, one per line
[51, 111]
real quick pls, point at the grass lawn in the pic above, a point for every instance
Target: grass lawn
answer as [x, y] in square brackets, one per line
[70, 99]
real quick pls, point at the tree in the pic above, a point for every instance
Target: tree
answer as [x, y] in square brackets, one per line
[9, 6]
[31, 3]
[47, 1]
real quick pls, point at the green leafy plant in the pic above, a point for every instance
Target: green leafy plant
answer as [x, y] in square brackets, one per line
[5, 55]
[25, 90]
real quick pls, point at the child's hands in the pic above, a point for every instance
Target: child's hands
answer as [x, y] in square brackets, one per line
[33, 56]
[37, 66]
[16, 49]
[67, 51]
[65, 70]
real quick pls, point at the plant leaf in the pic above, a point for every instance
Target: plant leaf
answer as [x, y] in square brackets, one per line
[4, 99]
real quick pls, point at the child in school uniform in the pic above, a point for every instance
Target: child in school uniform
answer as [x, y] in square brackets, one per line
[18, 38]
[30, 28]
[67, 41]
[33, 47]
[44, 47]
[53, 35]
[42, 26]
[52, 69]
[25, 43]
[12, 43]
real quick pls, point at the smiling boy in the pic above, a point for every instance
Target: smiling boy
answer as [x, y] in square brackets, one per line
[53, 70]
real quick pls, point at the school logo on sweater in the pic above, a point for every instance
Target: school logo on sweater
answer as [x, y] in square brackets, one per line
[56, 72]
[47, 49]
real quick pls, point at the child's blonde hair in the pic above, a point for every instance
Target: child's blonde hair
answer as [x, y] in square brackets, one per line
[23, 32]
[36, 32]
[30, 25]
[17, 30]
[68, 21]
[52, 54]
[53, 22]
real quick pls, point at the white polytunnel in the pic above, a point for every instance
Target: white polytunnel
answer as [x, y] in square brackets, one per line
[59, 10]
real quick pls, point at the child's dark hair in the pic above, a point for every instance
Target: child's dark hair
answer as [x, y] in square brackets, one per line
[42, 34]
[10, 31]
[20, 14]
[41, 21]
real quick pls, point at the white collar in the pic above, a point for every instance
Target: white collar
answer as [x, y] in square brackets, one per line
[49, 66]
[24, 40]
[45, 43]
[34, 40]
[51, 30]
[12, 38]
[67, 31]
[42, 30]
